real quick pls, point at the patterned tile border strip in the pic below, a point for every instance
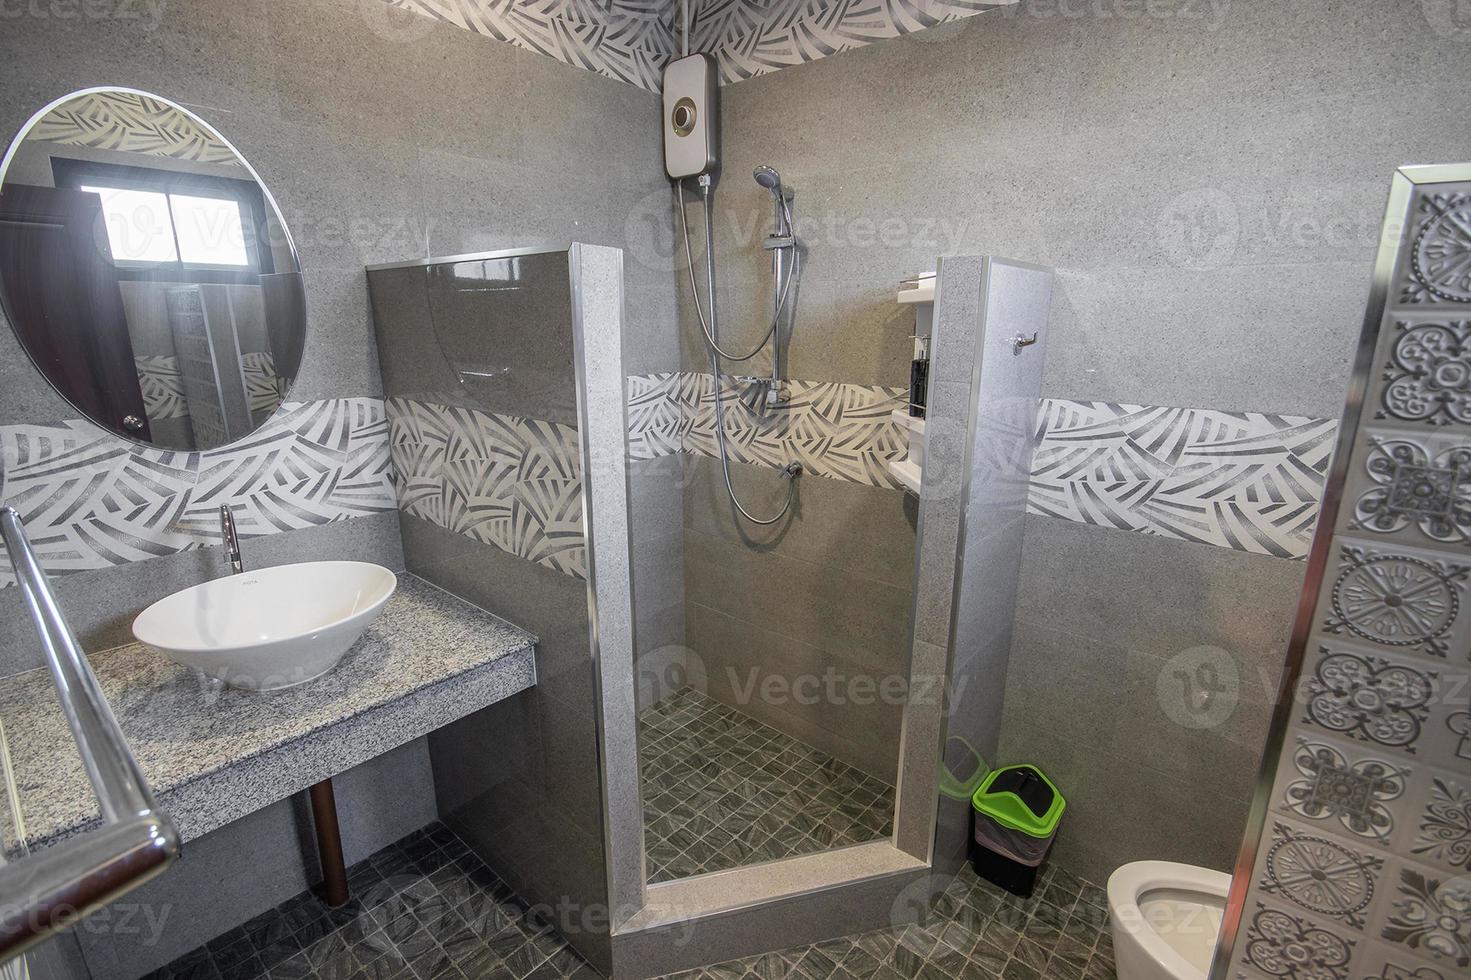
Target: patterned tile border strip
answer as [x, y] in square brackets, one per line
[1239, 480]
[755, 37]
[165, 397]
[835, 430]
[91, 501]
[626, 40]
[631, 40]
[511, 482]
[134, 124]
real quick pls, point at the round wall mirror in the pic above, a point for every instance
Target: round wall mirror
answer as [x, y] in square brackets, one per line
[147, 272]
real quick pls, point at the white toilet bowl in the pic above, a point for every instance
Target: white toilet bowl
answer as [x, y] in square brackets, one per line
[1166, 918]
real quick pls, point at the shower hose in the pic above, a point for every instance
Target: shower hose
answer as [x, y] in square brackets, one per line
[710, 328]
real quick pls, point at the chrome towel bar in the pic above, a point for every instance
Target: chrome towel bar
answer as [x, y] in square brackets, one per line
[46, 892]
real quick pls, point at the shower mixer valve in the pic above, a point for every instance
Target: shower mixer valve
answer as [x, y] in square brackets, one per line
[774, 391]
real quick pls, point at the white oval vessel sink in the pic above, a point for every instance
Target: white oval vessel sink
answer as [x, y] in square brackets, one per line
[270, 628]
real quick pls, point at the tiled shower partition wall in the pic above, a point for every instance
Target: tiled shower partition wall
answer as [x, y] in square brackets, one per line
[1230, 280]
[1363, 863]
[481, 367]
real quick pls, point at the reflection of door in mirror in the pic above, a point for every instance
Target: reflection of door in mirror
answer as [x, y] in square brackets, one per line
[66, 303]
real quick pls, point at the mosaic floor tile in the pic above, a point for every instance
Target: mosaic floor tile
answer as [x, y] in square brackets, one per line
[426, 908]
[722, 790]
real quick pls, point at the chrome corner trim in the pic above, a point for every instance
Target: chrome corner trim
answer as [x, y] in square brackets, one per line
[1386, 260]
[502, 253]
[46, 892]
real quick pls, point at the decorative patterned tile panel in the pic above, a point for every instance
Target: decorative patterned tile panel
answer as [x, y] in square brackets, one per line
[1369, 830]
[1280, 944]
[1418, 484]
[1246, 481]
[1319, 875]
[1384, 963]
[90, 500]
[658, 416]
[511, 482]
[162, 385]
[1431, 913]
[1357, 792]
[1397, 598]
[1443, 831]
[1427, 373]
[1371, 699]
[1438, 270]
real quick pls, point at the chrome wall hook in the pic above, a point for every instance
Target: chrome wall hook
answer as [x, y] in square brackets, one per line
[1020, 341]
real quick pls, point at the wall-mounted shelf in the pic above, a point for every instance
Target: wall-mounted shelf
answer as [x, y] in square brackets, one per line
[902, 418]
[920, 289]
[918, 292]
[906, 472]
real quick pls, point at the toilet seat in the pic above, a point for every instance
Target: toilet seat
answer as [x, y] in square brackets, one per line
[1141, 952]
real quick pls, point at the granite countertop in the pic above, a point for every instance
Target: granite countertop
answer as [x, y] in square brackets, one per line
[215, 755]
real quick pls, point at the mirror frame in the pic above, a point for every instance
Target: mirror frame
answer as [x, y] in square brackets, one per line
[13, 147]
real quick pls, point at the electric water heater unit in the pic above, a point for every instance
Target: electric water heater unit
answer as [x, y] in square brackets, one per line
[691, 117]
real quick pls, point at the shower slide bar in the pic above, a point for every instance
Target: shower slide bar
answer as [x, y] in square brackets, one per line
[47, 892]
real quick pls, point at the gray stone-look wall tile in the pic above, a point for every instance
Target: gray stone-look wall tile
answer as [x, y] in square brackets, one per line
[857, 529]
[864, 620]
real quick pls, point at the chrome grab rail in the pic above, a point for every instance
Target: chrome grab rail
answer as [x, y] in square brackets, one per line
[49, 891]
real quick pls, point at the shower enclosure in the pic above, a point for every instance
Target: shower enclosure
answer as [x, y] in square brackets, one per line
[818, 688]
[761, 732]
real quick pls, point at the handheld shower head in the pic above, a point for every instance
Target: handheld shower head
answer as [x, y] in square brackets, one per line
[768, 178]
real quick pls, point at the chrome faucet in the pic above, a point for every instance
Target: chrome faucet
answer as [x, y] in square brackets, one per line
[232, 543]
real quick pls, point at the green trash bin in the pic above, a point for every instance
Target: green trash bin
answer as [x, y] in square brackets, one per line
[1016, 810]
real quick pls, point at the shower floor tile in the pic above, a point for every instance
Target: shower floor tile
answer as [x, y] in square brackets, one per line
[722, 790]
[426, 908]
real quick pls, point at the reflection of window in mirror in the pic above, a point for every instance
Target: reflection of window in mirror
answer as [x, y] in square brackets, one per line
[181, 227]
